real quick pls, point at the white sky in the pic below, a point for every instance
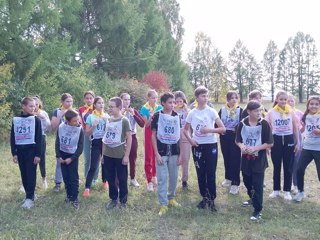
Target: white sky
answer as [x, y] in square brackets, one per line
[255, 22]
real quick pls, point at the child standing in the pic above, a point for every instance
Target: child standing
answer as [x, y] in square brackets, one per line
[255, 95]
[311, 144]
[69, 146]
[230, 115]
[135, 118]
[284, 130]
[116, 151]
[182, 109]
[202, 120]
[46, 126]
[26, 139]
[56, 120]
[147, 111]
[95, 129]
[253, 137]
[165, 127]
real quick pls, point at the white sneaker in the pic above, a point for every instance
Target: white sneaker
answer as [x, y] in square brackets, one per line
[299, 197]
[150, 187]
[287, 196]
[274, 194]
[44, 184]
[21, 189]
[28, 203]
[226, 183]
[295, 190]
[234, 189]
[154, 181]
[134, 183]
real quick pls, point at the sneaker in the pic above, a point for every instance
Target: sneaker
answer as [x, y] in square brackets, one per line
[75, 204]
[185, 185]
[256, 216]
[28, 203]
[295, 190]
[112, 204]
[94, 182]
[154, 181]
[44, 184]
[105, 185]
[287, 196]
[150, 187]
[226, 183]
[123, 205]
[86, 192]
[134, 183]
[274, 194]
[234, 190]
[174, 203]
[163, 210]
[202, 204]
[21, 189]
[212, 206]
[57, 188]
[247, 203]
[299, 197]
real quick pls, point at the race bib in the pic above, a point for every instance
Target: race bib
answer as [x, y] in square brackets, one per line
[112, 135]
[200, 123]
[312, 123]
[183, 115]
[24, 130]
[99, 130]
[251, 136]
[69, 138]
[280, 126]
[168, 131]
[227, 119]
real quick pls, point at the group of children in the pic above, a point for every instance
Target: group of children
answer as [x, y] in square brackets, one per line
[171, 132]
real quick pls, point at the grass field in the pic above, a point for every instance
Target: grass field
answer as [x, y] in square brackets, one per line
[52, 219]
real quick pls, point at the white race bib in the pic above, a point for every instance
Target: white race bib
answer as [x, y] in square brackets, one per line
[99, 130]
[168, 131]
[24, 130]
[227, 120]
[69, 138]
[312, 122]
[280, 126]
[112, 136]
[183, 115]
[251, 136]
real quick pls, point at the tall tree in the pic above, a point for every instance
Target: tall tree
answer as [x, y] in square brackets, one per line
[270, 63]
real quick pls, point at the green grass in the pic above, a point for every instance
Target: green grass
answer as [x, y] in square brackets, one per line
[52, 219]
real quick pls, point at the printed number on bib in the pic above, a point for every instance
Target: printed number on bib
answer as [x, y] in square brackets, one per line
[24, 130]
[281, 122]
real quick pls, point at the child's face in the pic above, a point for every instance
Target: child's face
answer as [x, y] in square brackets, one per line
[291, 102]
[202, 99]
[233, 100]
[153, 99]
[179, 102]
[37, 104]
[168, 105]
[126, 101]
[255, 113]
[67, 103]
[74, 121]
[29, 108]
[99, 105]
[282, 100]
[88, 99]
[113, 109]
[313, 106]
[257, 98]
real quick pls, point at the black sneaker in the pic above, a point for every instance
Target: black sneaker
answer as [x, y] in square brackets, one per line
[112, 204]
[75, 204]
[212, 206]
[57, 187]
[256, 216]
[202, 204]
[185, 185]
[247, 203]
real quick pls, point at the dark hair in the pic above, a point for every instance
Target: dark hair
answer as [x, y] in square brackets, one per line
[88, 92]
[117, 101]
[64, 96]
[25, 101]
[180, 94]
[281, 92]
[307, 107]
[37, 98]
[254, 93]
[165, 96]
[200, 90]
[252, 105]
[96, 99]
[230, 94]
[150, 92]
[70, 114]
[124, 94]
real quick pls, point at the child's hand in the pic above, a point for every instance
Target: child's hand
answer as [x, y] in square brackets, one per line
[205, 130]
[316, 131]
[243, 148]
[179, 162]
[159, 159]
[193, 143]
[67, 161]
[102, 159]
[36, 160]
[297, 148]
[61, 160]
[125, 160]
[15, 158]
[251, 150]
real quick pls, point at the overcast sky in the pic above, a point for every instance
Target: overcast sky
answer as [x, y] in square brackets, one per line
[255, 22]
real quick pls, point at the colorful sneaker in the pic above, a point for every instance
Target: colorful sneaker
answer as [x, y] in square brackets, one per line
[154, 181]
[21, 189]
[150, 187]
[86, 192]
[134, 183]
[28, 204]
[185, 185]
[202, 204]
[112, 204]
[226, 183]
[75, 204]
[299, 197]
[44, 184]
[163, 210]
[174, 203]
[105, 185]
[234, 190]
[256, 216]
[57, 187]
[274, 194]
[287, 196]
